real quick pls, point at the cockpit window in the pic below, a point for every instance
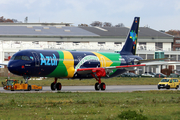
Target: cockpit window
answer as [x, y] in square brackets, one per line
[20, 58]
[25, 58]
[17, 58]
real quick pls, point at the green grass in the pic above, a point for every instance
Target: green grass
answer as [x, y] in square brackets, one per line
[75, 82]
[153, 105]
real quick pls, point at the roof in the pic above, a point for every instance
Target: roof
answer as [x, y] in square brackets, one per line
[70, 31]
[44, 31]
[144, 32]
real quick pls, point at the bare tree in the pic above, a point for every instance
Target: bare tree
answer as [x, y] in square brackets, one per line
[107, 24]
[96, 23]
[120, 25]
[174, 32]
[2, 19]
[82, 25]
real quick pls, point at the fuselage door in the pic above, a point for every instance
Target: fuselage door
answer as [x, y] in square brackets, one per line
[36, 58]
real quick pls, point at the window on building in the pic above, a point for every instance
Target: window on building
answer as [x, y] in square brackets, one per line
[178, 57]
[177, 48]
[8, 55]
[143, 56]
[117, 44]
[101, 43]
[142, 43]
[150, 56]
[58, 43]
[142, 46]
[35, 42]
[173, 57]
[76, 43]
[159, 45]
[177, 41]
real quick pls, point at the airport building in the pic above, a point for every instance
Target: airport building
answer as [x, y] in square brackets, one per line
[62, 36]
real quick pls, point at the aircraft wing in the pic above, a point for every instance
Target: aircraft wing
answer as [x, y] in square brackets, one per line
[150, 60]
[105, 70]
[160, 63]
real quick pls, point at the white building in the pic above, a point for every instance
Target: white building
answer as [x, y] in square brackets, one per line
[20, 36]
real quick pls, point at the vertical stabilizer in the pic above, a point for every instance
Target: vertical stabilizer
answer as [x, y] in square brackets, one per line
[131, 40]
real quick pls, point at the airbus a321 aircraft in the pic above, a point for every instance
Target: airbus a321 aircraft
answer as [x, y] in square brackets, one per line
[77, 65]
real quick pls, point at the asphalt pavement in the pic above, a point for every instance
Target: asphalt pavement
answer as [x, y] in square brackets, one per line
[110, 88]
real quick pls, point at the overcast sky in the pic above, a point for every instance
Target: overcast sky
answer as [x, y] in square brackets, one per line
[157, 14]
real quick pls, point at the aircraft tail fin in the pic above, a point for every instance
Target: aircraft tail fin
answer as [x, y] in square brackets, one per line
[131, 40]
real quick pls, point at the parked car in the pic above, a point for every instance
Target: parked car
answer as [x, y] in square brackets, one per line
[147, 75]
[174, 75]
[152, 73]
[168, 83]
[129, 75]
[124, 75]
[133, 75]
[160, 75]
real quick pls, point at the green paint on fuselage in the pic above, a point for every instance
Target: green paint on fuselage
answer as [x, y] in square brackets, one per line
[60, 70]
[114, 57]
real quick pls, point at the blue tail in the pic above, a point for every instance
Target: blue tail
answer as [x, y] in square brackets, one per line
[131, 40]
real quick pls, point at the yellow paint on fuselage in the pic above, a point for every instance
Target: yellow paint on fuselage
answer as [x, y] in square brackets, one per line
[105, 62]
[69, 63]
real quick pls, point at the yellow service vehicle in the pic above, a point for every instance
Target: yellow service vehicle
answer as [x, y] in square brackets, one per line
[168, 83]
[16, 85]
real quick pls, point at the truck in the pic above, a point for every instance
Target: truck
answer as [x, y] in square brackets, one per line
[15, 85]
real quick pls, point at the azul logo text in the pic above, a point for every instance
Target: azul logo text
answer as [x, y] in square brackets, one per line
[48, 60]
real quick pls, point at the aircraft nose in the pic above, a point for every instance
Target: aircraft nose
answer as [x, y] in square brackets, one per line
[13, 67]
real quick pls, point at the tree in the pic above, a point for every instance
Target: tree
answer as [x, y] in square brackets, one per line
[120, 25]
[96, 23]
[2, 19]
[174, 32]
[107, 24]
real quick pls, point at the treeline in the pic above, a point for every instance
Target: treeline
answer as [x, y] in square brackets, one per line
[174, 32]
[102, 24]
[2, 19]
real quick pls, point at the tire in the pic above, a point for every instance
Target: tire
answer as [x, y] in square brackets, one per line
[159, 88]
[58, 86]
[167, 87]
[53, 87]
[29, 88]
[103, 86]
[177, 87]
[97, 86]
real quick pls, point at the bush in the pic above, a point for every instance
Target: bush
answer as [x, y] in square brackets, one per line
[131, 115]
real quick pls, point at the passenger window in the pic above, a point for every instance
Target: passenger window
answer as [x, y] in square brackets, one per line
[25, 58]
[170, 81]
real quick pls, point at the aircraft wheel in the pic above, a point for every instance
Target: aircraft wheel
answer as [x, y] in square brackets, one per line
[103, 86]
[58, 86]
[97, 86]
[53, 87]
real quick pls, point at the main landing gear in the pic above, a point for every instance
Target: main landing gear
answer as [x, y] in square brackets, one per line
[56, 85]
[97, 74]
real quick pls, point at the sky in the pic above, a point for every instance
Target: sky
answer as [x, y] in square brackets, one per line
[156, 14]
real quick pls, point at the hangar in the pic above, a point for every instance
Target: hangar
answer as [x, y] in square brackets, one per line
[19, 36]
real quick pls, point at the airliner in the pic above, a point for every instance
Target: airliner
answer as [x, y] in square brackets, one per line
[76, 64]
